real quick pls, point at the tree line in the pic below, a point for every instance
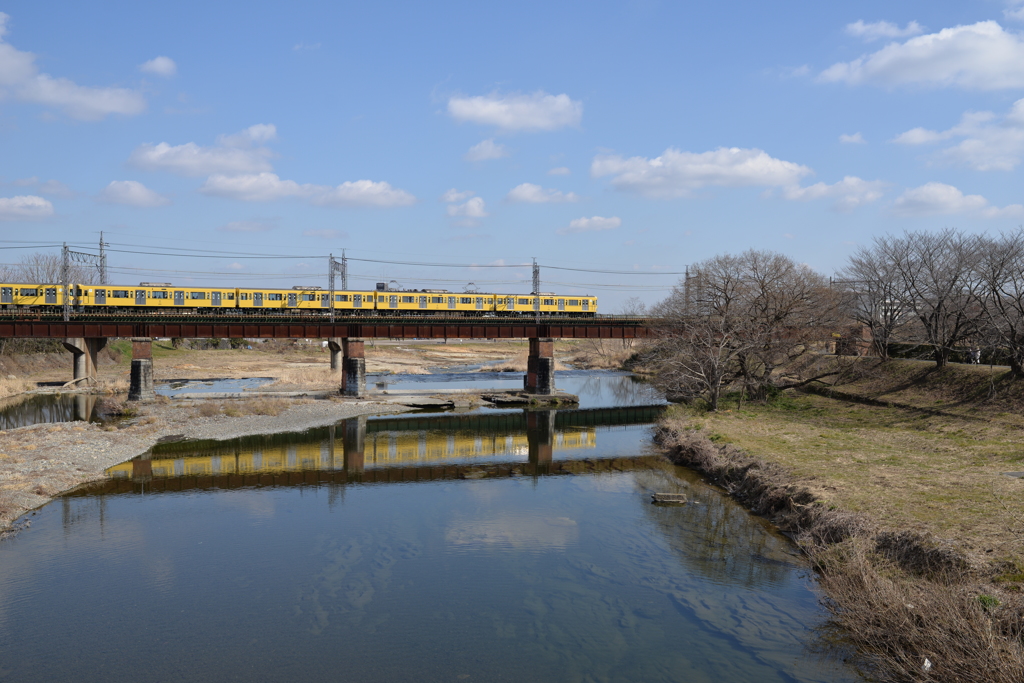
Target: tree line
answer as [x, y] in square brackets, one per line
[759, 322]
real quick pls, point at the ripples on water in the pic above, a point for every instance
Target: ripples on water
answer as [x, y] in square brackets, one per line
[501, 561]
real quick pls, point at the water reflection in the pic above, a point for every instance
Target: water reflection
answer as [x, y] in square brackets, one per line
[45, 408]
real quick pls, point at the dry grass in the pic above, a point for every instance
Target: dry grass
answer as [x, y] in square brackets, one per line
[11, 386]
[252, 406]
[518, 364]
[602, 354]
[318, 377]
[899, 599]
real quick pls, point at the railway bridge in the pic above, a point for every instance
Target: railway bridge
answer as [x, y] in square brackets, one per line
[84, 337]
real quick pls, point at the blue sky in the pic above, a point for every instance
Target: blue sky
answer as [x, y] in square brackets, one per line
[629, 136]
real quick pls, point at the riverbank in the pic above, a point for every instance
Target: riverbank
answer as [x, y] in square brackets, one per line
[903, 487]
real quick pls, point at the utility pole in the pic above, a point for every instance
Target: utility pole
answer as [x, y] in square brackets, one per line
[344, 271]
[103, 260]
[66, 257]
[335, 267]
[536, 289]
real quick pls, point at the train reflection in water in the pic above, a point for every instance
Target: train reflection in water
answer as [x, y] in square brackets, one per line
[389, 449]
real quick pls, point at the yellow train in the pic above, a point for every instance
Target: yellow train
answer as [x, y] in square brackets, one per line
[164, 297]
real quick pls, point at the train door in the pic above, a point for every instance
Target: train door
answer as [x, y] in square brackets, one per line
[586, 304]
[257, 298]
[451, 302]
[140, 297]
[423, 302]
[51, 295]
[292, 300]
[561, 304]
[357, 301]
[510, 304]
[215, 298]
[101, 297]
[179, 298]
[325, 301]
[479, 303]
[6, 295]
[392, 301]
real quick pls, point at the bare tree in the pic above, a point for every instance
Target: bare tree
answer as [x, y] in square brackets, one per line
[739, 319]
[876, 296]
[1000, 269]
[45, 269]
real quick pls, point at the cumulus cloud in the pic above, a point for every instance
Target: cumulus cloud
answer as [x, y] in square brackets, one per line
[233, 154]
[484, 150]
[24, 208]
[265, 187]
[677, 174]
[561, 170]
[518, 112]
[159, 66]
[1015, 12]
[454, 195]
[131, 193]
[592, 224]
[934, 198]
[528, 193]
[855, 139]
[849, 193]
[988, 142]
[981, 56]
[20, 79]
[882, 29]
[246, 226]
[474, 208]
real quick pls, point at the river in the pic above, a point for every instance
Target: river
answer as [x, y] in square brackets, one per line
[484, 546]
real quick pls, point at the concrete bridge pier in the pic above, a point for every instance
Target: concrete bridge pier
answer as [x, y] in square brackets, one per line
[540, 437]
[540, 367]
[354, 444]
[84, 350]
[353, 378]
[334, 344]
[140, 387]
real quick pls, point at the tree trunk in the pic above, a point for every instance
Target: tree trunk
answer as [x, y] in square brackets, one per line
[941, 357]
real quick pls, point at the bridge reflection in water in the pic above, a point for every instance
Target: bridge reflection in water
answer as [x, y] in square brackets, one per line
[382, 450]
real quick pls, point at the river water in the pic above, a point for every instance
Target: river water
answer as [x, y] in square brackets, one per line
[489, 546]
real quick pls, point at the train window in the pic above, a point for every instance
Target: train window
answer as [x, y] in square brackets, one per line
[308, 297]
[408, 299]
[274, 296]
[549, 302]
[574, 302]
[26, 291]
[243, 296]
[341, 297]
[466, 300]
[119, 294]
[524, 302]
[191, 295]
[230, 296]
[160, 295]
[437, 299]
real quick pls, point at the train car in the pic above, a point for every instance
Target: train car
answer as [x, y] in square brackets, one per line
[31, 296]
[546, 303]
[351, 302]
[154, 295]
[435, 302]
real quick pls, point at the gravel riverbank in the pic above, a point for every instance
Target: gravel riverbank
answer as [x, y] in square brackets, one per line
[40, 462]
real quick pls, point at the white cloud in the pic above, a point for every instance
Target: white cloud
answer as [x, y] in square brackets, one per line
[454, 195]
[981, 56]
[528, 193]
[234, 154]
[264, 187]
[561, 170]
[327, 234]
[989, 143]
[849, 193]
[160, 66]
[882, 29]
[20, 79]
[592, 224]
[1015, 12]
[24, 207]
[677, 174]
[539, 111]
[484, 150]
[131, 193]
[246, 226]
[474, 208]
[855, 139]
[940, 199]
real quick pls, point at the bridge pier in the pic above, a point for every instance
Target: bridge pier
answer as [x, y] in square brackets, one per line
[540, 437]
[540, 367]
[353, 378]
[84, 350]
[141, 384]
[334, 344]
